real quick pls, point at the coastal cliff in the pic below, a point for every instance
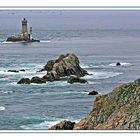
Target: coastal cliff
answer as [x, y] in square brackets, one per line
[117, 110]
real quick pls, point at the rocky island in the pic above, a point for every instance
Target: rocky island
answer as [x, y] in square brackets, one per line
[66, 67]
[24, 35]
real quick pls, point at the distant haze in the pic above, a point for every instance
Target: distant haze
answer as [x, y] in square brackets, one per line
[83, 19]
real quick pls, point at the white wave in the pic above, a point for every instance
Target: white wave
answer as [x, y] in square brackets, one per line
[6, 92]
[45, 125]
[43, 41]
[5, 42]
[2, 108]
[101, 75]
[10, 42]
[84, 66]
[53, 84]
[4, 72]
[122, 64]
[80, 92]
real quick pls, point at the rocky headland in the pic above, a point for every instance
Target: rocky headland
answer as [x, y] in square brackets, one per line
[117, 110]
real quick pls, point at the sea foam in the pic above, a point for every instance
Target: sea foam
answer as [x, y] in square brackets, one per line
[2, 108]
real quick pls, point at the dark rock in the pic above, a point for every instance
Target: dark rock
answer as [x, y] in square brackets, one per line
[49, 65]
[118, 64]
[63, 125]
[24, 81]
[93, 93]
[13, 71]
[38, 80]
[22, 70]
[76, 79]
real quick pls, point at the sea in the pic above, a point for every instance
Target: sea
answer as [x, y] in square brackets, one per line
[100, 39]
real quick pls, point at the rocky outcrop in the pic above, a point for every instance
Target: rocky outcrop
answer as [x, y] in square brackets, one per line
[65, 65]
[93, 93]
[76, 79]
[18, 37]
[63, 125]
[119, 109]
[24, 81]
[37, 80]
[118, 64]
[21, 37]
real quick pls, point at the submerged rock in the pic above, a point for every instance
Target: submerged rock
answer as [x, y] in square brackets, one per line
[93, 92]
[76, 79]
[23, 70]
[63, 125]
[16, 71]
[24, 81]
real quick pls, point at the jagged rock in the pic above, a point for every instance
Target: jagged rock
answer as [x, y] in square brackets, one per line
[24, 81]
[38, 80]
[80, 124]
[76, 79]
[63, 125]
[49, 65]
[120, 109]
[65, 65]
[51, 76]
[13, 71]
[118, 64]
[93, 92]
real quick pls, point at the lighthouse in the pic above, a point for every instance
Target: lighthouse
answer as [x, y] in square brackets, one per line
[24, 26]
[24, 35]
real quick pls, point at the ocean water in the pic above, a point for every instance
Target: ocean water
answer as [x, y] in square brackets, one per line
[98, 38]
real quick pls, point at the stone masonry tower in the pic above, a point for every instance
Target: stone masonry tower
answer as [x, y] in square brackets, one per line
[24, 26]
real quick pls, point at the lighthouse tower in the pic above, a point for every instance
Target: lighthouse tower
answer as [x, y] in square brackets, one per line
[24, 26]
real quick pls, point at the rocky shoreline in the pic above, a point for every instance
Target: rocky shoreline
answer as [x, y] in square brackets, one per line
[117, 110]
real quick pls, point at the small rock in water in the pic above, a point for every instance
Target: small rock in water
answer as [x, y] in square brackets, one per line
[13, 71]
[24, 81]
[22, 70]
[37, 80]
[76, 79]
[118, 64]
[93, 92]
